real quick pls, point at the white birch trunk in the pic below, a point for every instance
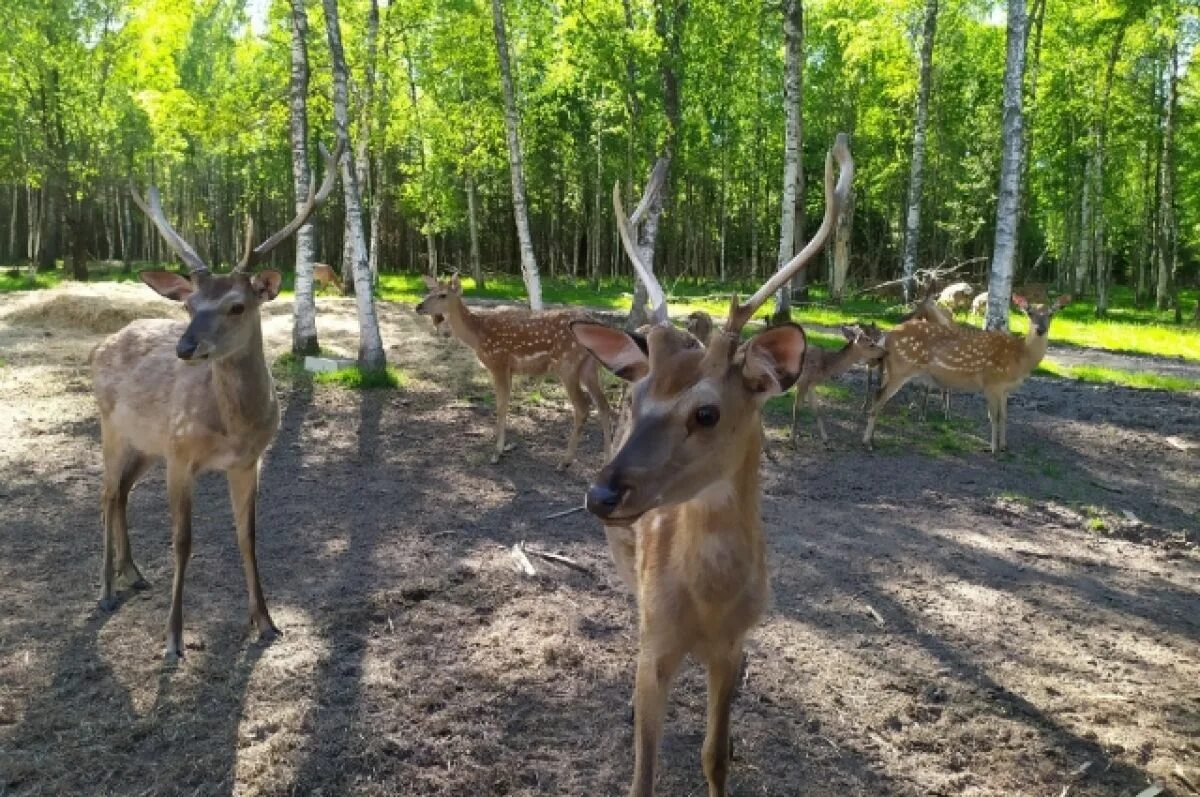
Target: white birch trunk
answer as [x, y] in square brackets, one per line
[791, 149]
[304, 310]
[1012, 137]
[529, 269]
[916, 176]
[371, 356]
[473, 227]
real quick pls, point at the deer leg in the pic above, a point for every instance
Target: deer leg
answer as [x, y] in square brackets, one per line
[579, 408]
[889, 388]
[123, 466]
[723, 675]
[946, 404]
[799, 397]
[655, 671]
[179, 494]
[993, 405]
[502, 380]
[816, 411]
[243, 495]
[1003, 402]
[591, 381]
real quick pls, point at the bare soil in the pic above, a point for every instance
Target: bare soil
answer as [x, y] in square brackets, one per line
[944, 623]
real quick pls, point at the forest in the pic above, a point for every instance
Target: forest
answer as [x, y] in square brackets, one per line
[199, 97]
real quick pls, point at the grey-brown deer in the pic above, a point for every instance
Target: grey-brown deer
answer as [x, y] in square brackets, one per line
[821, 366]
[197, 394]
[993, 363]
[518, 341]
[680, 498]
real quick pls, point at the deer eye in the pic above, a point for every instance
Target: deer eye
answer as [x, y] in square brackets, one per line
[708, 415]
[237, 309]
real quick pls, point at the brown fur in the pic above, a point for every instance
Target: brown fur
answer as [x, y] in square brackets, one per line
[216, 412]
[821, 366]
[993, 363]
[324, 276]
[518, 341]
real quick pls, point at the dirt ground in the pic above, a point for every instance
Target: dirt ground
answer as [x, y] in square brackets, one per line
[943, 623]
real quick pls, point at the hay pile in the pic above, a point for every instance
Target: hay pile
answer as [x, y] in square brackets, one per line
[98, 309]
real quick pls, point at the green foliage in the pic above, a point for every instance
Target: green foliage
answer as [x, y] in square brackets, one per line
[355, 378]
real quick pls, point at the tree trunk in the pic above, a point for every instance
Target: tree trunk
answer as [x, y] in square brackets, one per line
[529, 269]
[916, 176]
[371, 356]
[304, 310]
[1103, 256]
[841, 250]
[1009, 202]
[473, 226]
[793, 42]
[1167, 234]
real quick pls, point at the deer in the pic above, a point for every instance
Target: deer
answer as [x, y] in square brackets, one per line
[821, 366]
[324, 276]
[197, 395]
[518, 341]
[956, 297]
[990, 362]
[680, 498]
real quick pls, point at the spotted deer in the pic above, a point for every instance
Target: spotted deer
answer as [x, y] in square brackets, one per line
[993, 362]
[680, 498]
[518, 341]
[821, 366]
[197, 394]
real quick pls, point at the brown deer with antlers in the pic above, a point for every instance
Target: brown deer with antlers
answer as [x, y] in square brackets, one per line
[198, 395]
[518, 341]
[993, 363]
[680, 499]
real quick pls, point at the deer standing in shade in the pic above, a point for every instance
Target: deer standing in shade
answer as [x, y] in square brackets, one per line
[198, 395]
[680, 498]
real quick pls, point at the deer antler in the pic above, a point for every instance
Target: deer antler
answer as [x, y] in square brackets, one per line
[836, 197]
[196, 266]
[658, 299]
[254, 256]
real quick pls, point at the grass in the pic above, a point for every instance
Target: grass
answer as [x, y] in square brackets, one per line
[1143, 380]
[289, 367]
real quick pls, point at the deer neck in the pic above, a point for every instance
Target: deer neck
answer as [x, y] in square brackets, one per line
[841, 361]
[243, 386]
[463, 323]
[1035, 348]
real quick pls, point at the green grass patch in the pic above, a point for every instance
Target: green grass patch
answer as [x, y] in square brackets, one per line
[1143, 380]
[355, 378]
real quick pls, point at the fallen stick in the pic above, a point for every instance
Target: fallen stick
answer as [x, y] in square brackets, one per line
[565, 561]
[878, 617]
[564, 513]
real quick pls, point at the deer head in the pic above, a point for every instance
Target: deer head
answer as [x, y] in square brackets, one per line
[695, 413]
[224, 308]
[1040, 314]
[439, 299]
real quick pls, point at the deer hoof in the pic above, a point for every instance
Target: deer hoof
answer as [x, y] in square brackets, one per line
[495, 460]
[561, 466]
[172, 657]
[108, 604]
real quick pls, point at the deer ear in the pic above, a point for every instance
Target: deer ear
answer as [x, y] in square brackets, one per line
[1019, 301]
[430, 282]
[455, 284]
[168, 284]
[851, 332]
[773, 359]
[266, 284]
[1061, 302]
[620, 352]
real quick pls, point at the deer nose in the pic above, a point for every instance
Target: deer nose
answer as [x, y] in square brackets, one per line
[185, 348]
[602, 499]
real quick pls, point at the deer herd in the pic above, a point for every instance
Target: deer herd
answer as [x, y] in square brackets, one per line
[678, 496]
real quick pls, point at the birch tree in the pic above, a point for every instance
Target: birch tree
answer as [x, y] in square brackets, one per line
[1012, 142]
[371, 356]
[304, 310]
[916, 175]
[529, 269]
[792, 35]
